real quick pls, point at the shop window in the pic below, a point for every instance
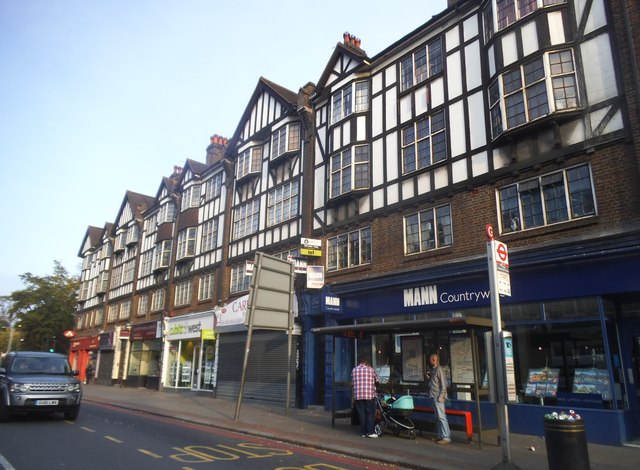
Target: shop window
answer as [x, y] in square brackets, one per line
[521, 312]
[571, 308]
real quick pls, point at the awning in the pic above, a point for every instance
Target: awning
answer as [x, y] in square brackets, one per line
[404, 326]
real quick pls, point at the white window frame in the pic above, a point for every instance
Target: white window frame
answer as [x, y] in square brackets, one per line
[353, 98]
[209, 239]
[349, 170]
[249, 162]
[213, 187]
[559, 75]
[125, 310]
[157, 300]
[239, 279]
[349, 249]
[190, 197]
[205, 287]
[534, 203]
[182, 294]
[162, 254]
[285, 139]
[283, 202]
[427, 230]
[422, 64]
[246, 219]
[167, 212]
[187, 243]
[143, 305]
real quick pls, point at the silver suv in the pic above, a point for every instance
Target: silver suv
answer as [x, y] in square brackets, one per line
[38, 382]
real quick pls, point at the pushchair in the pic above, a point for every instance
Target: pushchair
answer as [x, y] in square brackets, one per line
[393, 414]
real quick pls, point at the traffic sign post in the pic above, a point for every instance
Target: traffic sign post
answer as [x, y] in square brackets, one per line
[499, 283]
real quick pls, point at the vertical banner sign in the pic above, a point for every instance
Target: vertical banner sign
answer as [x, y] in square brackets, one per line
[509, 368]
[502, 268]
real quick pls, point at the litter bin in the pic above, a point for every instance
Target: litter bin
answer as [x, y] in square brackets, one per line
[566, 444]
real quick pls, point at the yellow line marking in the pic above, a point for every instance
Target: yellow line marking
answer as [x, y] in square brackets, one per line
[113, 439]
[87, 429]
[151, 454]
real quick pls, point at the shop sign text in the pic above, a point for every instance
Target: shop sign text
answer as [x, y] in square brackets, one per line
[428, 295]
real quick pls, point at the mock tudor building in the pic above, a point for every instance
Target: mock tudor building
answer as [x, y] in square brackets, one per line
[512, 118]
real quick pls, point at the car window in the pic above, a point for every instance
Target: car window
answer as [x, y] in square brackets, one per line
[34, 365]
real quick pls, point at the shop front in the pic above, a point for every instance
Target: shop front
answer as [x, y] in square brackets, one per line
[82, 352]
[145, 351]
[574, 323]
[190, 353]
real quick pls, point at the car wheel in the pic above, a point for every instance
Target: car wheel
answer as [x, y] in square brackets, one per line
[72, 414]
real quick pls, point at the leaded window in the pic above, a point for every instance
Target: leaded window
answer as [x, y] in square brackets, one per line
[424, 143]
[282, 202]
[349, 249]
[349, 170]
[549, 199]
[422, 64]
[246, 219]
[428, 229]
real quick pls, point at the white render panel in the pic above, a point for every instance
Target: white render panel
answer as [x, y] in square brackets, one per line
[361, 126]
[530, 38]
[599, 72]
[336, 141]
[556, 28]
[346, 131]
[452, 38]
[269, 237]
[454, 75]
[391, 113]
[378, 199]
[441, 177]
[472, 65]
[408, 189]
[501, 157]
[364, 205]
[390, 75]
[616, 123]
[597, 17]
[392, 194]
[470, 28]
[509, 48]
[492, 60]
[572, 132]
[377, 163]
[376, 116]
[479, 164]
[406, 108]
[477, 125]
[459, 171]
[392, 157]
[322, 137]
[319, 188]
[422, 105]
[376, 83]
[457, 129]
[424, 183]
[437, 92]
[578, 5]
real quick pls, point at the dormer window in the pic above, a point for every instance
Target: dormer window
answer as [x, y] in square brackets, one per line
[121, 241]
[285, 140]
[249, 162]
[190, 197]
[343, 103]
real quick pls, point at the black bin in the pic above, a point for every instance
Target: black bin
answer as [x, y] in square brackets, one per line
[566, 444]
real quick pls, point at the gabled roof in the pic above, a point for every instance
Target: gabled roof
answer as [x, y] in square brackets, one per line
[92, 238]
[352, 53]
[138, 203]
[284, 96]
[167, 183]
[197, 168]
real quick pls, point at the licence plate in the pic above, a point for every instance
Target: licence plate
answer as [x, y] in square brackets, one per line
[46, 402]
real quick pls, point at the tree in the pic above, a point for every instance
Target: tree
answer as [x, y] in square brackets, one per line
[5, 322]
[45, 309]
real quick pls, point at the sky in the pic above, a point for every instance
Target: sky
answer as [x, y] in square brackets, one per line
[101, 97]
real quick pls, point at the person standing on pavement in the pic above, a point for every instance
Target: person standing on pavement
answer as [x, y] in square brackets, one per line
[364, 380]
[437, 391]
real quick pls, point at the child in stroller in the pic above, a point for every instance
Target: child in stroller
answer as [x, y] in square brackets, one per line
[393, 414]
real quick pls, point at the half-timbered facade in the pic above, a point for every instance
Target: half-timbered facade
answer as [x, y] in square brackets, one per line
[508, 114]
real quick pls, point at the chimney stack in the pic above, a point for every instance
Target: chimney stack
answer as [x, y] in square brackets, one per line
[216, 148]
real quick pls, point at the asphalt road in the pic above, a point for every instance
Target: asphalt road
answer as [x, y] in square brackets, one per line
[104, 437]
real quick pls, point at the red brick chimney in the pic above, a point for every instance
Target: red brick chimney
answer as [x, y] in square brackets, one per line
[216, 149]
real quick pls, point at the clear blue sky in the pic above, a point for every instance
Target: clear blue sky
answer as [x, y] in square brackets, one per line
[100, 97]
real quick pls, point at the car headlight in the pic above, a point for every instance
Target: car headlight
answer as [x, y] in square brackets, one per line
[19, 388]
[73, 387]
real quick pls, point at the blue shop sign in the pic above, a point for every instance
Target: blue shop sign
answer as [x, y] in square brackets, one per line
[331, 303]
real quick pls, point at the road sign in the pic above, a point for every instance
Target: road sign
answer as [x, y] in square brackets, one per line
[502, 254]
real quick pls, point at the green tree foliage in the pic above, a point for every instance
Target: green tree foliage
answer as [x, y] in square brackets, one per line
[45, 309]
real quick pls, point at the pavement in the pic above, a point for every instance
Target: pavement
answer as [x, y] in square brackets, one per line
[312, 428]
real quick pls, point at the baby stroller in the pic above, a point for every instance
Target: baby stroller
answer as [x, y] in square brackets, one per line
[393, 414]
